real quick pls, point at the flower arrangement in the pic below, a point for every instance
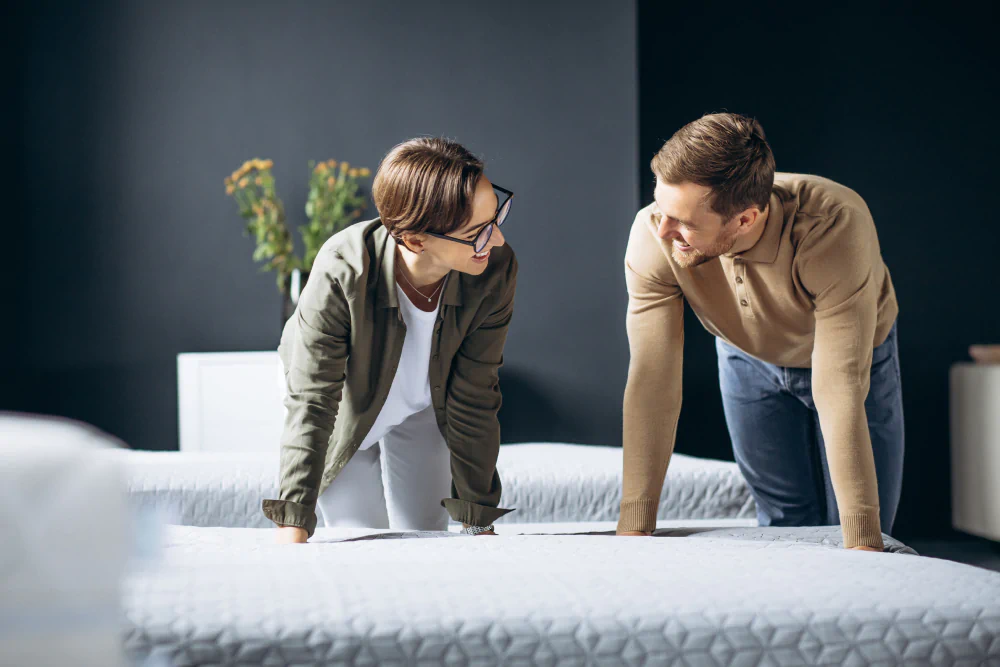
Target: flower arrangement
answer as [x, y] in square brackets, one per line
[335, 201]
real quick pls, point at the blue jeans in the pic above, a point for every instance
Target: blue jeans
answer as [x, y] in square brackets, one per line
[777, 441]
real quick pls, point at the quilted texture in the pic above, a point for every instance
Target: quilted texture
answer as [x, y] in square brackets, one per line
[726, 597]
[544, 482]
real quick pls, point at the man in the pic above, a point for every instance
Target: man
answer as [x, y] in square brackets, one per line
[785, 271]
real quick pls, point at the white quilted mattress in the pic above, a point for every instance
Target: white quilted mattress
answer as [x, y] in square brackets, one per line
[738, 596]
[544, 482]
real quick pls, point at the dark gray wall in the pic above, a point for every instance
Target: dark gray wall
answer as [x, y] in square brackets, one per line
[134, 113]
[898, 104]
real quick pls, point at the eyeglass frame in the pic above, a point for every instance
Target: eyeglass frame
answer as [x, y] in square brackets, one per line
[489, 225]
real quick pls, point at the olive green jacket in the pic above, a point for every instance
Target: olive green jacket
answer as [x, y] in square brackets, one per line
[340, 350]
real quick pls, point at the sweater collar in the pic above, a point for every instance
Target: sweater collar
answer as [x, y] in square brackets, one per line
[765, 250]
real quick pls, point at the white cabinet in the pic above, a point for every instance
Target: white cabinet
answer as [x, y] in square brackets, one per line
[229, 402]
[975, 449]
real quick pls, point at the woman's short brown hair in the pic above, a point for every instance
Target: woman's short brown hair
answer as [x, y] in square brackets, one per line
[726, 152]
[426, 185]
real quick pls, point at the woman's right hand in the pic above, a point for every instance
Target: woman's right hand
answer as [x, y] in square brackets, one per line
[291, 535]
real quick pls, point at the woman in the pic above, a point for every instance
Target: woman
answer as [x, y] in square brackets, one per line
[390, 360]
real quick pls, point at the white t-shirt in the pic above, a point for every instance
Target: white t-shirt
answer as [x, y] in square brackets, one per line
[410, 392]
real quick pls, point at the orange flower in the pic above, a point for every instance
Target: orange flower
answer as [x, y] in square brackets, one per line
[330, 182]
[258, 181]
[321, 168]
[230, 189]
[365, 172]
[243, 182]
[265, 164]
[331, 163]
[344, 166]
[353, 173]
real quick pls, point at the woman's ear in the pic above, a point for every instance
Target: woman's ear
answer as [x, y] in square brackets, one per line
[412, 242]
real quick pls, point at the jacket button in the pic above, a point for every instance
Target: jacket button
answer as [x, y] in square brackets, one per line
[739, 280]
[744, 303]
[437, 388]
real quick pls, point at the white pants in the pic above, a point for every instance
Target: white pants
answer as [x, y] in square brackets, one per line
[396, 484]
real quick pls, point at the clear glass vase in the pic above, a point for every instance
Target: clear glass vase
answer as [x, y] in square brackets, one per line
[294, 285]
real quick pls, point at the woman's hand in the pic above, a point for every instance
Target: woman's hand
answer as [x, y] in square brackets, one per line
[488, 532]
[291, 535]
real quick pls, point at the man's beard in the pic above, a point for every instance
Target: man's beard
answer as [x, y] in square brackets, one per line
[692, 258]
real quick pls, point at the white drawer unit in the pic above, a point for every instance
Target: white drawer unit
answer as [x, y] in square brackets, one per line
[975, 449]
[229, 402]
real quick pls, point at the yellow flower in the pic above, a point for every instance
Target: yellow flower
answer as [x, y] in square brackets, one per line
[344, 166]
[266, 164]
[331, 181]
[331, 163]
[365, 172]
[246, 166]
[230, 189]
[353, 173]
[321, 168]
[258, 181]
[243, 182]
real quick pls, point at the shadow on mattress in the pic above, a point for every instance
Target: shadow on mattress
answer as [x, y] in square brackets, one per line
[829, 536]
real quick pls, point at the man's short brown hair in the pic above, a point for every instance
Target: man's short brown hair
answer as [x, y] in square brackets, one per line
[426, 185]
[726, 152]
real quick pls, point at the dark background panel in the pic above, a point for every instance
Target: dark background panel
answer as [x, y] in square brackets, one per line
[896, 103]
[123, 249]
[134, 112]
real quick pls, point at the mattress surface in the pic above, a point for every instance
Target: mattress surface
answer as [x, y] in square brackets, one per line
[543, 482]
[686, 596]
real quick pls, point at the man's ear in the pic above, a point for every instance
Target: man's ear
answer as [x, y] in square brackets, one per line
[750, 216]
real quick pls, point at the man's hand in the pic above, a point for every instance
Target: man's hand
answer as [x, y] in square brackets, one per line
[291, 535]
[634, 533]
[861, 548]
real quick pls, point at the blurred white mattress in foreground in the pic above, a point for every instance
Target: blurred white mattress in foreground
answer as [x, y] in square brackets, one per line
[64, 544]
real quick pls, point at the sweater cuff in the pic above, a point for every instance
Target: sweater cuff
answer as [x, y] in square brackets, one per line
[638, 515]
[862, 530]
[289, 513]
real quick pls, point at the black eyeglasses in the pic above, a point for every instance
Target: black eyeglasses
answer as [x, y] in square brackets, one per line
[483, 237]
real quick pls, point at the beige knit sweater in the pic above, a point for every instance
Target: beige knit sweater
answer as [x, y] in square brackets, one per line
[813, 292]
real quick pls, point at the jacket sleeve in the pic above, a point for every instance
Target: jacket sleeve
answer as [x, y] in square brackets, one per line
[473, 403]
[316, 358]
